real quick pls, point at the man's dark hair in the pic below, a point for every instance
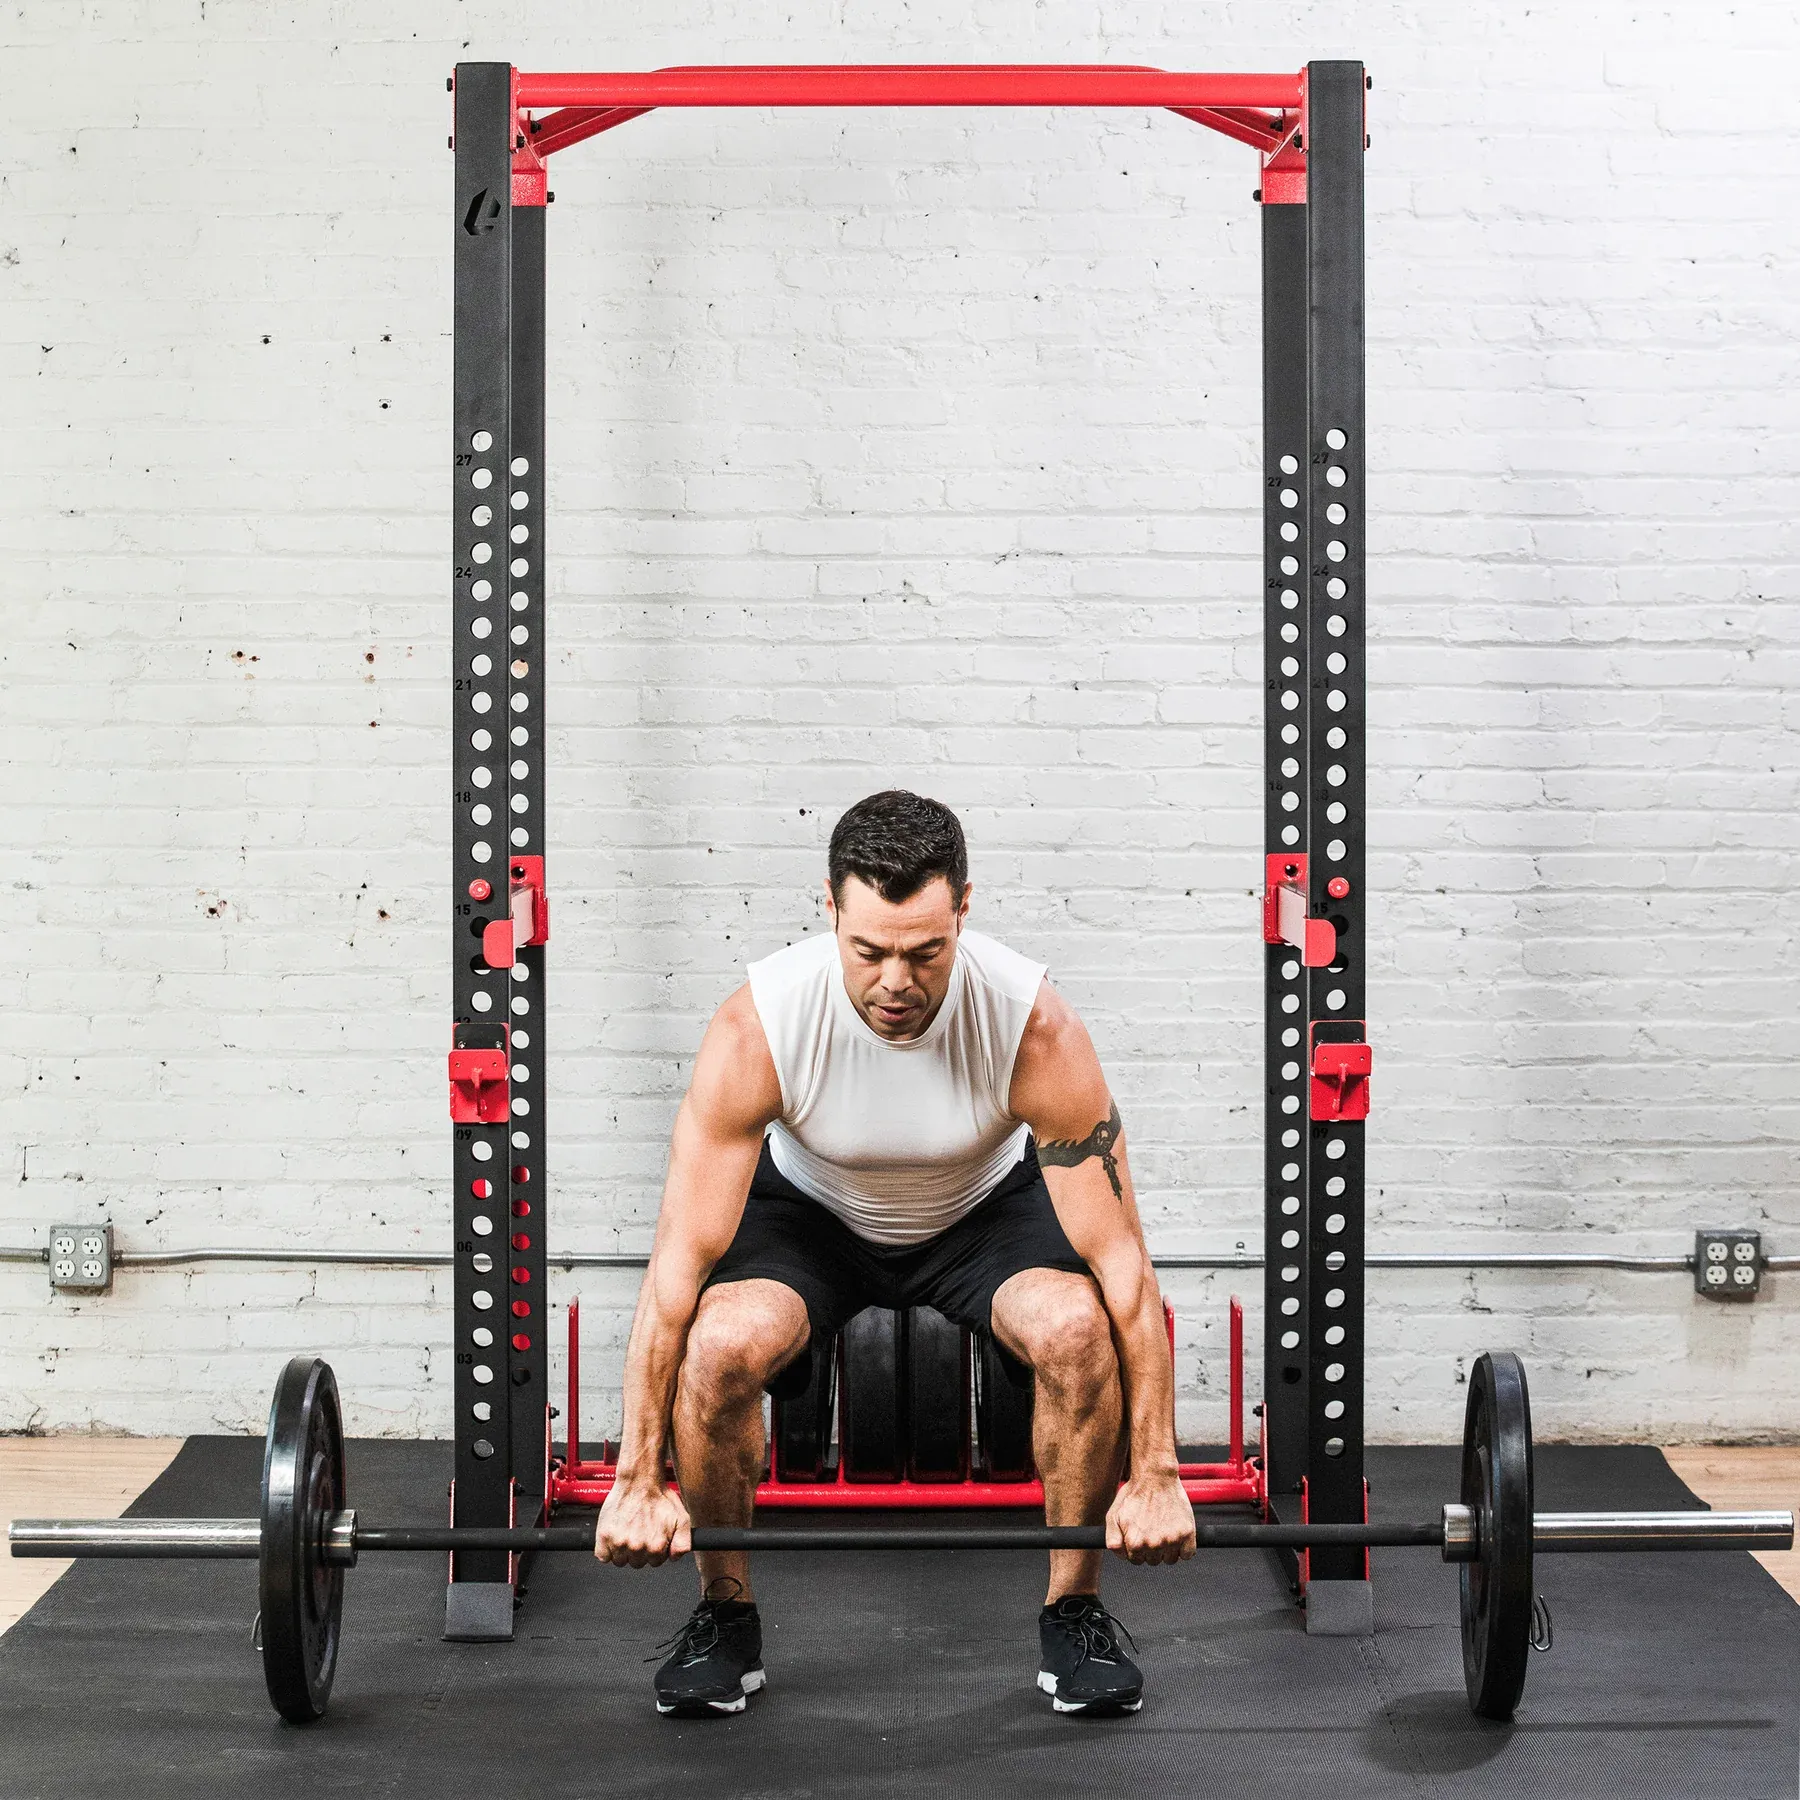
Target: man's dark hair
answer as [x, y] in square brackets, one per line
[897, 842]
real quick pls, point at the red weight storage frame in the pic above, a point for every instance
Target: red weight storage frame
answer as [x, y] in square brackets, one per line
[577, 1481]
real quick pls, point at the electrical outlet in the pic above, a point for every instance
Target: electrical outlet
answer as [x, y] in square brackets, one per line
[81, 1259]
[1728, 1265]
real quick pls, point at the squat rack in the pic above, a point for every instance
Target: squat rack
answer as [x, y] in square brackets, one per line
[1308, 130]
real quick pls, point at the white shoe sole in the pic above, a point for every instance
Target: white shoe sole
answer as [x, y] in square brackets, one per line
[1047, 1682]
[755, 1680]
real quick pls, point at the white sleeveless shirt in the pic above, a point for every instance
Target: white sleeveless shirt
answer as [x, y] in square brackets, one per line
[898, 1139]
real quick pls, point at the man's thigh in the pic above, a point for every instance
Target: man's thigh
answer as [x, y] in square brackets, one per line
[788, 1239]
[1052, 1316]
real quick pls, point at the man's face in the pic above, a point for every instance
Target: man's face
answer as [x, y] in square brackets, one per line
[897, 958]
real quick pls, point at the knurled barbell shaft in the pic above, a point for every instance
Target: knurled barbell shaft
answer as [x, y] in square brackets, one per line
[1451, 1533]
[1222, 1536]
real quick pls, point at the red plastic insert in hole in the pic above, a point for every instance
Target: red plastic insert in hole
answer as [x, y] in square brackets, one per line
[521, 1173]
[521, 1341]
[521, 1209]
[481, 890]
[1337, 887]
[521, 1240]
[521, 1309]
[481, 1187]
[522, 1276]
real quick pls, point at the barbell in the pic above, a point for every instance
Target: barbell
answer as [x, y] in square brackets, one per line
[308, 1535]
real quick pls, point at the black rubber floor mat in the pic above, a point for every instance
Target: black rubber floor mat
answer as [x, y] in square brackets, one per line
[900, 1675]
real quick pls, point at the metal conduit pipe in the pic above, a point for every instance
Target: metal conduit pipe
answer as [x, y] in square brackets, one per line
[302, 1256]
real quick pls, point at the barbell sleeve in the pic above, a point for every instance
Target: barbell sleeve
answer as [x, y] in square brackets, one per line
[139, 1538]
[1552, 1533]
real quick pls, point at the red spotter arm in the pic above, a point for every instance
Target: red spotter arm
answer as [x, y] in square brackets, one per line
[480, 1084]
[1340, 1074]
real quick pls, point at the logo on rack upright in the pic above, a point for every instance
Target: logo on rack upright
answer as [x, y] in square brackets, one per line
[483, 214]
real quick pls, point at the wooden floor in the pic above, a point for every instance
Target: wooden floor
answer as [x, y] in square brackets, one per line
[71, 1478]
[1746, 1480]
[91, 1478]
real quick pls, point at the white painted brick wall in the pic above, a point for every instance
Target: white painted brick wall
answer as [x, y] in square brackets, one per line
[901, 448]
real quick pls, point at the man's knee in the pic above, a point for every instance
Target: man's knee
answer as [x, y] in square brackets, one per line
[1067, 1337]
[740, 1337]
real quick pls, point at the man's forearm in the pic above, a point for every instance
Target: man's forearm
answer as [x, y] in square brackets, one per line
[1146, 1369]
[665, 1309]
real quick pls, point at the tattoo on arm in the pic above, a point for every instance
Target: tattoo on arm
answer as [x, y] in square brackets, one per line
[1066, 1153]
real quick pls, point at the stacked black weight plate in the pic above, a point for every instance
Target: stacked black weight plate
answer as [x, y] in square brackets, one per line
[871, 1427]
[1003, 1396]
[937, 1397]
[1497, 1484]
[301, 1595]
[801, 1424]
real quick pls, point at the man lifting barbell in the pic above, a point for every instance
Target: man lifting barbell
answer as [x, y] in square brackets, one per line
[903, 1112]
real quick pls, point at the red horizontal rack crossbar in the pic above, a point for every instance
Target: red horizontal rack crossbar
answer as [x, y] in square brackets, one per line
[911, 84]
[1207, 1484]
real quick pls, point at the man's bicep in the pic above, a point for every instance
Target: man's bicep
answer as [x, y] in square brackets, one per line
[713, 1151]
[1060, 1091]
[709, 1178]
[734, 1091]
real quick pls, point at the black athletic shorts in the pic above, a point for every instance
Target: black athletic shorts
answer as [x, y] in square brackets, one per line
[786, 1237]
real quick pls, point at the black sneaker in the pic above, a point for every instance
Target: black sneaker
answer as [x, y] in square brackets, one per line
[1084, 1670]
[716, 1663]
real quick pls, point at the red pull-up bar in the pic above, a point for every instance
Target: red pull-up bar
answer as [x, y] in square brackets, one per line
[1260, 110]
[912, 84]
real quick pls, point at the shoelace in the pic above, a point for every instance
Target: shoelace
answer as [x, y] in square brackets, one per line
[1096, 1631]
[699, 1637]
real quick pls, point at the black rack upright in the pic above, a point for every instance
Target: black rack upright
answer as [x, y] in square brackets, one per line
[1316, 1055]
[498, 907]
